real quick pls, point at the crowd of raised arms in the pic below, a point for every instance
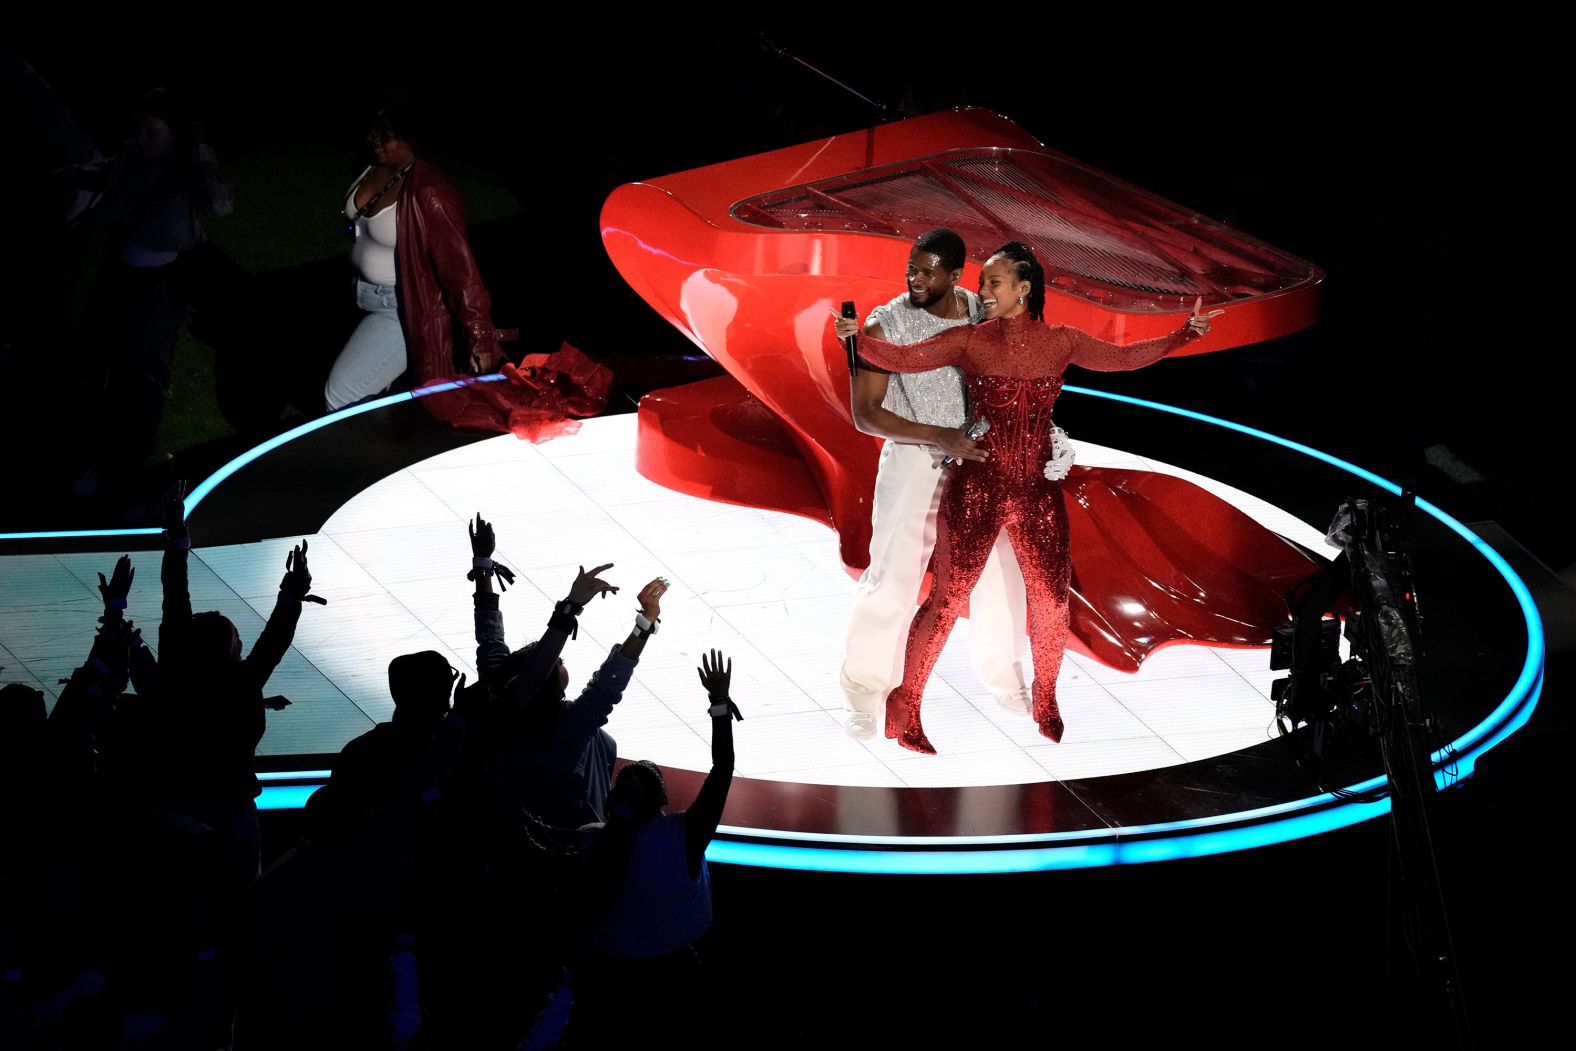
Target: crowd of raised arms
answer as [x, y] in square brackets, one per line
[472, 875]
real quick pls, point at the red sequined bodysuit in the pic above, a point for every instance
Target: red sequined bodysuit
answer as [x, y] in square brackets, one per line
[1014, 368]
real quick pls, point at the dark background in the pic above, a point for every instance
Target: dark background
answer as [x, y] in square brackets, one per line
[1414, 163]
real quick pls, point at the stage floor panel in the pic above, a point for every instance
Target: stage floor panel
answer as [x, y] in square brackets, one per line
[766, 588]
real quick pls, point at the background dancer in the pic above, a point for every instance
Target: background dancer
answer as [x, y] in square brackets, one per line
[415, 276]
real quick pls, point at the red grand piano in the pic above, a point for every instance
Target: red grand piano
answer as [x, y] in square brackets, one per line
[748, 258]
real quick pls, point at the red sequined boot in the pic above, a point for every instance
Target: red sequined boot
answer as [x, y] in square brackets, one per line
[1048, 714]
[902, 723]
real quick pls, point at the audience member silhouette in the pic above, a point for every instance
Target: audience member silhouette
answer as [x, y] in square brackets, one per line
[339, 908]
[211, 708]
[52, 921]
[393, 758]
[651, 895]
[355, 937]
[555, 759]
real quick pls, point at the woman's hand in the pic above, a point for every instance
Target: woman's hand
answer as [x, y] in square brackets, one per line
[650, 598]
[1199, 321]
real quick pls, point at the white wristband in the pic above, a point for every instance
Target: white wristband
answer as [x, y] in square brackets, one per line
[481, 563]
[719, 709]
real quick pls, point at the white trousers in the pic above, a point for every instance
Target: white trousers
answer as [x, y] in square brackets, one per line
[902, 537]
[374, 356]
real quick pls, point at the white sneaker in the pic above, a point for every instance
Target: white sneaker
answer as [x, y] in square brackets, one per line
[1017, 702]
[861, 725]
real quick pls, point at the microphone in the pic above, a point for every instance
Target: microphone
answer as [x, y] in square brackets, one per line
[848, 343]
[975, 432]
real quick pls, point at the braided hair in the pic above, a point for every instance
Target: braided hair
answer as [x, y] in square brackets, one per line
[1025, 267]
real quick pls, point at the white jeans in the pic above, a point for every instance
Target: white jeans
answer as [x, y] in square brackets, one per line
[374, 356]
[902, 537]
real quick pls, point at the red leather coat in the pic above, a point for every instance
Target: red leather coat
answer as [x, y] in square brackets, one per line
[440, 289]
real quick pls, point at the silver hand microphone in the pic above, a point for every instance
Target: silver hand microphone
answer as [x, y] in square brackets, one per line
[975, 432]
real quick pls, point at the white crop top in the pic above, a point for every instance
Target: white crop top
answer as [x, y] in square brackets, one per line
[373, 253]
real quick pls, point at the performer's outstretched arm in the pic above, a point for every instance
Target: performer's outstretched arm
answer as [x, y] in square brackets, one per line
[944, 348]
[1101, 356]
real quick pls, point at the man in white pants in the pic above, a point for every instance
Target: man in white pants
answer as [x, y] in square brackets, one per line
[923, 417]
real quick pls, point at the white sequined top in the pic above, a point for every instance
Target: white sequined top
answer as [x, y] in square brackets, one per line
[935, 398]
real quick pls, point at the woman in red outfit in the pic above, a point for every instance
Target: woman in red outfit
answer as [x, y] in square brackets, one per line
[1013, 363]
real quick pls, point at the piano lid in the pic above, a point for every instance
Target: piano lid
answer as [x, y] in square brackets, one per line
[1121, 263]
[749, 257]
[1099, 239]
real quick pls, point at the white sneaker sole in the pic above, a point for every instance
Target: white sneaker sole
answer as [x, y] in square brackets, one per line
[1016, 703]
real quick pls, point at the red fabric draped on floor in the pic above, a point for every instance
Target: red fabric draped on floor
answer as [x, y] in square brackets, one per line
[544, 397]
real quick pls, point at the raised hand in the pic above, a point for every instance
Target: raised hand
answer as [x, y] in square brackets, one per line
[174, 516]
[298, 578]
[1199, 321]
[483, 542]
[650, 598]
[716, 676]
[588, 586]
[483, 568]
[118, 586]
